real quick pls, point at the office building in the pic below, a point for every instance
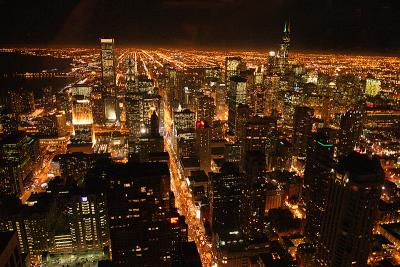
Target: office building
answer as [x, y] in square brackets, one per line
[151, 141]
[261, 134]
[10, 254]
[107, 63]
[203, 145]
[145, 228]
[317, 177]
[236, 95]
[351, 127]
[352, 205]
[302, 127]
[88, 222]
[19, 156]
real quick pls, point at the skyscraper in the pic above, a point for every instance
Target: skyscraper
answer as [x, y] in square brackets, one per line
[233, 65]
[236, 95]
[303, 121]
[107, 63]
[351, 126]
[352, 205]
[19, 156]
[283, 53]
[82, 116]
[184, 133]
[203, 145]
[88, 222]
[145, 228]
[318, 175]
[261, 134]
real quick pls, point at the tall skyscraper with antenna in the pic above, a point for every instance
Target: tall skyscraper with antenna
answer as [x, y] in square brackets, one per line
[283, 53]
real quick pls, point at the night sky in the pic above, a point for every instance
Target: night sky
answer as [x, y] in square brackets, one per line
[342, 25]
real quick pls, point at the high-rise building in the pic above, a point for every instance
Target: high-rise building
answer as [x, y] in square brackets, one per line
[233, 66]
[130, 75]
[20, 101]
[48, 100]
[302, 127]
[184, 133]
[226, 199]
[145, 228]
[205, 109]
[352, 205]
[107, 63]
[236, 95]
[203, 145]
[261, 134]
[283, 53]
[372, 87]
[220, 102]
[10, 254]
[82, 116]
[255, 194]
[242, 117]
[19, 156]
[151, 141]
[351, 126]
[88, 222]
[9, 122]
[317, 177]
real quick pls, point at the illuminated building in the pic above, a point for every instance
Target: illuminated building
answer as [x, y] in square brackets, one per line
[302, 127]
[33, 223]
[151, 142]
[111, 107]
[254, 169]
[233, 66]
[220, 100]
[145, 228]
[317, 176]
[261, 134]
[134, 111]
[48, 99]
[205, 109]
[352, 205]
[107, 63]
[281, 157]
[242, 117]
[52, 125]
[130, 76]
[372, 87]
[20, 101]
[203, 145]
[184, 133]
[9, 122]
[10, 254]
[233, 153]
[226, 199]
[145, 85]
[19, 156]
[283, 53]
[271, 69]
[236, 95]
[82, 116]
[351, 126]
[88, 222]
[74, 166]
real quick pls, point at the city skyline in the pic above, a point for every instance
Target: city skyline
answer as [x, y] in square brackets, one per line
[117, 156]
[334, 25]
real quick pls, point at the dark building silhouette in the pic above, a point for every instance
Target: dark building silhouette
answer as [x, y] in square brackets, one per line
[302, 127]
[352, 206]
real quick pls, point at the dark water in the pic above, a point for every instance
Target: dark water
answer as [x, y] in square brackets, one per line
[12, 64]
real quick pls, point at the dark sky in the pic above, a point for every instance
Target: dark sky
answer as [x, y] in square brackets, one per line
[352, 25]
